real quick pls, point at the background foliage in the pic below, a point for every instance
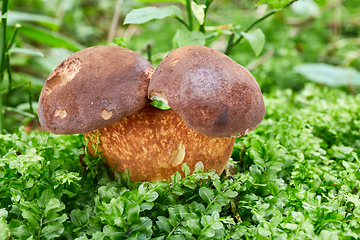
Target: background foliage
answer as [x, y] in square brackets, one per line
[297, 173]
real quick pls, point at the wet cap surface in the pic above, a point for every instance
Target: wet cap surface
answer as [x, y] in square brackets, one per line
[213, 94]
[93, 88]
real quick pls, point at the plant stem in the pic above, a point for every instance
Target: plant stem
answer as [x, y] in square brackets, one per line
[207, 5]
[184, 23]
[231, 45]
[2, 54]
[188, 8]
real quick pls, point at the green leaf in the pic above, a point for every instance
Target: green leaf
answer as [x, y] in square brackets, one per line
[194, 225]
[45, 198]
[151, 196]
[25, 51]
[154, 1]
[160, 104]
[199, 167]
[184, 38]
[209, 232]
[49, 38]
[199, 12]
[4, 229]
[217, 225]
[132, 212]
[163, 224]
[54, 205]
[52, 230]
[230, 193]
[186, 169]
[275, 3]
[206, 194]
[15, 17]
[3, 212]
[23, 232]
[146, 14]
[328, 74]
[256, 39]
[143, 227]
[306, 8]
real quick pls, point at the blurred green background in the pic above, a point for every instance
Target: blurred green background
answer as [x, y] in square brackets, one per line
[306, 32]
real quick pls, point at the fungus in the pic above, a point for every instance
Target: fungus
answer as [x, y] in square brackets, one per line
[107, 89]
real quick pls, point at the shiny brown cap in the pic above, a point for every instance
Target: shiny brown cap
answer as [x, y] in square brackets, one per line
[214, 95]
[93, 88]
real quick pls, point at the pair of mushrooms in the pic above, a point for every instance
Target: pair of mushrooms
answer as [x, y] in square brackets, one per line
[107, 89]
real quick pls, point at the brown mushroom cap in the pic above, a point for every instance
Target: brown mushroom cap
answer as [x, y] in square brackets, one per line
[93, 88]
[214, 95]
[153, 144]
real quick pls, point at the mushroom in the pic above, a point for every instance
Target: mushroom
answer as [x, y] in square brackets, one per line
[102, 93]
[153, 144]
[92, 88]
[214, 95]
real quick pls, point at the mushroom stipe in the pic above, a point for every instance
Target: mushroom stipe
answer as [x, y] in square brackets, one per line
[108, 89]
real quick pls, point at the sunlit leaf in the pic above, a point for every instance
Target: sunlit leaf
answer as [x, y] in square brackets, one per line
[17, 17]
[49, 38]
[143, 15]
[256, 39]
[206, 194]
[25, 51]
[184, 38]
[328, 74]
[199, 12]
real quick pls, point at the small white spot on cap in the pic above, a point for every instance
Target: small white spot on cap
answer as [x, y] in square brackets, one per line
[106, 114]
[178, 155]
[60, 113]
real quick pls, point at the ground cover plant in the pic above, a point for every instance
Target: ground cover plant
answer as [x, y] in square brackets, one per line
[297, 174]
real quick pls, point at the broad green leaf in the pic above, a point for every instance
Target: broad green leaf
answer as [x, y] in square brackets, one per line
[230, 193]
[146, 14]
[45, 198]
[52, 230]
[206, 194]
[23, 232]
[256, 39]
[217, 225]
[142, 189]
[132, 212]
[151, 196]
[49, 38]
[328, 74]
[114, 233]
[4, 228]
[160, 104]
[154, 1]
[186, 169]
[77, 217]
[163, 224]
[15, 17]
[146, 206]
[199, 167]
[25, 51]
[54, 205]
[54, 217]
[194, 225]
[3, 212]
[275, 3]
[199, 12]
[306, 9]
[208, 232]
[143, 226]
[184, 38]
